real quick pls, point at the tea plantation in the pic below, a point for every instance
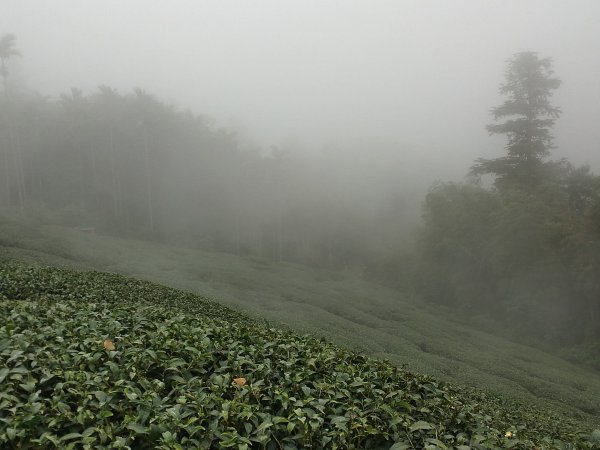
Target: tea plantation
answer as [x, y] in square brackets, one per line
[99, 361]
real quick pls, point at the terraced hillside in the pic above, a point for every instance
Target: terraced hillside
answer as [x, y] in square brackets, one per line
[339, 306]
[94, 360]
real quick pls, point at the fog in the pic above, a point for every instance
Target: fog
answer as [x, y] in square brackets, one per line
[415, 78]
[340, 164]
[393, 95]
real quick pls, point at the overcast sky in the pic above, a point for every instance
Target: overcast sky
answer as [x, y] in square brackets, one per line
[418, 76]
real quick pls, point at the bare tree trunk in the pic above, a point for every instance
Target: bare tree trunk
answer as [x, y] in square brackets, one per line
[20, 170]
[14, 152]
[124, 213]
[13, 146]
[6, 147]
[6, 165]
[238, 234]
[94, 170]
[82, 189]
[280, 236]
[113, 174]
[15, 170]
[148, 183]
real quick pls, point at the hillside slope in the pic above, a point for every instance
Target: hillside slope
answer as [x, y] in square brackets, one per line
[339, 306]
[93, 360]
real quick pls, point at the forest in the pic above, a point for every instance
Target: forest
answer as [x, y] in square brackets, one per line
[514, 246]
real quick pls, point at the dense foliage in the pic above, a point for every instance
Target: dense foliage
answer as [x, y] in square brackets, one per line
[132, 165]
[528, 118]
[530, 258]
[93, 360]
[524, 253]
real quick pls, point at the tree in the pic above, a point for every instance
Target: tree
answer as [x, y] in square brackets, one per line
[7, 51]
[455, 245]
[146, 105]
[109, 107]
[11, 147]
[528, 117]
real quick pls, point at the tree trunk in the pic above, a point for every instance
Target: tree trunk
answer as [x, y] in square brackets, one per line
[6, 165]
[113, 175]
[13, 146]
[148, 183]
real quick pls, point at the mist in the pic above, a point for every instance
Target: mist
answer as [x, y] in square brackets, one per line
[418, 77]
[191, 192]
[295, 131]
[372, 103]
[302, 131]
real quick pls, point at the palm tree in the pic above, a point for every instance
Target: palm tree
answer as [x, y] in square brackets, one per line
[7, 51]
[145, 106]
[75, 108]
[109, 102]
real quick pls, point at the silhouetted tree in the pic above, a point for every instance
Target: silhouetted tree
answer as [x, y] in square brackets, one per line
[110, 101]
[7, 51]
[12, 145]
[146, 105]
[528, 117]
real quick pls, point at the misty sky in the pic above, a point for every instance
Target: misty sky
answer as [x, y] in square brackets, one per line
[416, 78]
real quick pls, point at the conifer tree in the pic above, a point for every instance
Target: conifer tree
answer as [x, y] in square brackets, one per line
[526, 118]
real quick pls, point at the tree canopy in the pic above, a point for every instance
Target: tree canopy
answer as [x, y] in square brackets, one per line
[8, 49]
[525, 253]
[526, 118]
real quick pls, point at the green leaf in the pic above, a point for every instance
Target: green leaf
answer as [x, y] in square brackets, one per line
[405, 405]
[437, 443]
[11, 433]
[88, 431]
[29, 386]
[20, 370]
[421, 425]
[70, 436]
[105, 413]
[101, 396]
[48, 437]
[400, 446]
[138, 428]
[339, 420]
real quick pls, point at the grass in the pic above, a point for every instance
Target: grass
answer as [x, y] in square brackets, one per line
[96, 360]
[339, 306]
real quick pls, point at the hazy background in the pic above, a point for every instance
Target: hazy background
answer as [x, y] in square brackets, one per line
[412, 80]
[344, 116]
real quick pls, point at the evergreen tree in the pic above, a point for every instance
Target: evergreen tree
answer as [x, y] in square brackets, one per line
[526, 117]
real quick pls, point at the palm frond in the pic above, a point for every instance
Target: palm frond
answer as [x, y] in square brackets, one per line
[8, 46]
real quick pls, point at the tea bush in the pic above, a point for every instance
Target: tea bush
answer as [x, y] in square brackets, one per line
[99, 361]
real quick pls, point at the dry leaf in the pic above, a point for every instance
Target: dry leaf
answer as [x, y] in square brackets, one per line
[239, 381]
[109, 345]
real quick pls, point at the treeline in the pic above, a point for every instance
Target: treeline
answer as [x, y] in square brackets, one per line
[518, 244]
[528, 258]
[130, 165]
[525, 252]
